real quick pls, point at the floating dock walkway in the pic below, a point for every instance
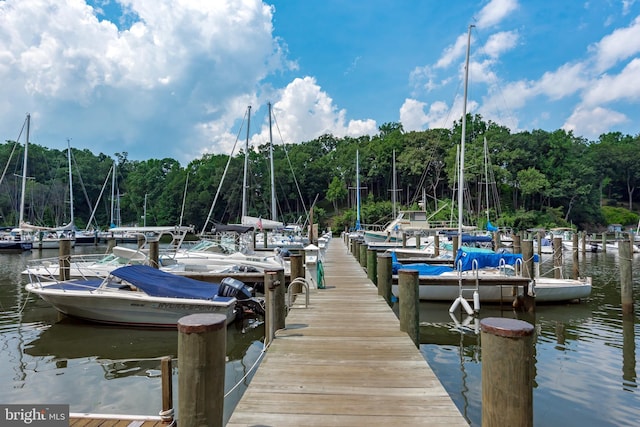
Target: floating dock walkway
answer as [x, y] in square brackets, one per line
[343, 361]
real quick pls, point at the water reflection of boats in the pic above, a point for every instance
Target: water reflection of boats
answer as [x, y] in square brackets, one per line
[438, 326]
[121, 351]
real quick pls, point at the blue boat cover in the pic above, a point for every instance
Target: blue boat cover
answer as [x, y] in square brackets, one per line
[466, 256]
[469, 238]
[466, 259]
[159, 283]
[422, 268]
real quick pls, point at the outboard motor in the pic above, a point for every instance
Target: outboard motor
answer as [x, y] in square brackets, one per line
[230, 287]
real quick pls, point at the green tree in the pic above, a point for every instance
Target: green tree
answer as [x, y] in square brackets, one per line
[336, 192]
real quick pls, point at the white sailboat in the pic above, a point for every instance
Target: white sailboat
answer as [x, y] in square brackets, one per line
[20, 239]
[49, 238]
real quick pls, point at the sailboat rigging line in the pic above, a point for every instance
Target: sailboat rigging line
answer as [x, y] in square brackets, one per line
[463, 134]
[4, 172]
[184, 195]
[104, 186]
[84, 189]
[274, 212]
[306, 212]
[224, 174]
[71, 218]
[246, 164]
[24, 173]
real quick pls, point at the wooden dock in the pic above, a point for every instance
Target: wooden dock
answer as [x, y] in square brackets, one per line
[93, 420]
[343, 361]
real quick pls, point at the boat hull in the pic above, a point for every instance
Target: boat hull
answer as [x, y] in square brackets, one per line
[118, 308]
[545, 290]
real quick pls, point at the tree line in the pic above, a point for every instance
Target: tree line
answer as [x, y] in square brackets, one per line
[517, 180]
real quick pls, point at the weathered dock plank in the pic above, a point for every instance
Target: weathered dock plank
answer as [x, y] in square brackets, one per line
[343, 361]
[113, 421]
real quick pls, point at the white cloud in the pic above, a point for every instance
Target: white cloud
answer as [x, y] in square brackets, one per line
[412, 115]
[565, 81]
[139, 85]
[499, 43]
[303, 112]
[591, 123]
[625, 85]
[495, 11]
[440, 115]
[617, 46]
[453, 52]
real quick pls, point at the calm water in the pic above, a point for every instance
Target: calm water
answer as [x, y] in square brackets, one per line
[586, 356]
[99, 369]
[585, 372]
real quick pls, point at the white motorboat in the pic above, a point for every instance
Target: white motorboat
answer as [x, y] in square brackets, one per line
[494, 267]
[208, 255]
[90, 266]
[139, 295]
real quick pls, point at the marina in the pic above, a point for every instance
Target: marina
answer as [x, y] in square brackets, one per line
[585, 364]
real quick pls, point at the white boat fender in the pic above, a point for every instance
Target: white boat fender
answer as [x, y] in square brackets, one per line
[531, 288]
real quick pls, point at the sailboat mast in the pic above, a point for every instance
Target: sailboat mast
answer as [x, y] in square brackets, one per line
[246, 166]
[24, 173]
[357, 190]
[70, 180]
[486, 175]
[113, 193]
[394, 185]
[462, 138]
[274, 212]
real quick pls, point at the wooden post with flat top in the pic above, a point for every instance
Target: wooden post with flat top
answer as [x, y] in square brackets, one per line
[202, 352]
[507, 372]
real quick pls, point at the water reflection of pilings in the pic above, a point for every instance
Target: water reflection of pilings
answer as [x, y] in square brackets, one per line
[629, 378]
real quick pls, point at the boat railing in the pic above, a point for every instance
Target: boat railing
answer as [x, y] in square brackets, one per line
[49, 268]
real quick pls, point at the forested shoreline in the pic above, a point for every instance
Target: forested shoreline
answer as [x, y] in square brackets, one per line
[517, 180]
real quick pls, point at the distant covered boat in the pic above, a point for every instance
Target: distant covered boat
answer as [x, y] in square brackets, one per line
[139, 295]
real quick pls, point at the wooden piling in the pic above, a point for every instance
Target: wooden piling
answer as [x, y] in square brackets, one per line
[409, 299]
[557, 257]
[528, 301]
[297, 270]
[111, 242]
[436, 245]
[363, 255]
[626, 276]
[372, 269]
[574, 252]
[496, 240]
[507, 372]
[65, 259]
[604, 242]
[517, 247]
[154, 253]
[202, 351]
[384, 279]
[417, 241]
[167, 390]
[274, 291]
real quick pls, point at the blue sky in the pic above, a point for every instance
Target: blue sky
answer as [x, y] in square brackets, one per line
[173, 78]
